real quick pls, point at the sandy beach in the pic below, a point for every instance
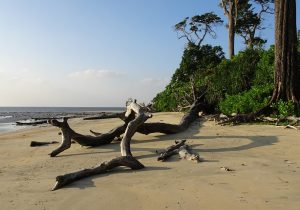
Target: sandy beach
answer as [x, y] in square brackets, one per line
[265, 161]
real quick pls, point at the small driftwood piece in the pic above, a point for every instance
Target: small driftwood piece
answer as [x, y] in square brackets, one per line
[32, 123]
[105, 116]
[185, 152]
[104, 167]
[39, 143]
[170, 151]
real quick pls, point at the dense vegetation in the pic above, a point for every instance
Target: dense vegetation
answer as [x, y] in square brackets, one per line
[253, 79]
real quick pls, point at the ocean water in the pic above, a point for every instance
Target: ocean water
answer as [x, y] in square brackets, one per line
[9, 115]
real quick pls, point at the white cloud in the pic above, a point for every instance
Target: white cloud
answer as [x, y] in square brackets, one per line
[93, 73]
[155, 81]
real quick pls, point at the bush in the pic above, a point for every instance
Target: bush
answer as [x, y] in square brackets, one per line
[284, 108]
[248, 101]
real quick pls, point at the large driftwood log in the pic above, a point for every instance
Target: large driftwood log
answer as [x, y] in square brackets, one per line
[104, 167]
[144, 128]
[84, 140]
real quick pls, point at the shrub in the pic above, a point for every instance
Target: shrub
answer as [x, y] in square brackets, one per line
[284, 108]
[246, 102]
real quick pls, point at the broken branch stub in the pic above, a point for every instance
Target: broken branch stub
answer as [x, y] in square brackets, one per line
[142, 115]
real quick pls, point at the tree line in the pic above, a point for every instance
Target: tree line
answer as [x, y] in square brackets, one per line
[254, 79]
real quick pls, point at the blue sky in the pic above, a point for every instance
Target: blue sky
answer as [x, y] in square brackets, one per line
[94, 52]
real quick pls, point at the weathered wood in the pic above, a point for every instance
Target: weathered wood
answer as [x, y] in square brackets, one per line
[38, 143]
[32, 123]
[131, 114]
[185, 122]
[105, 116]
[84, 140]
[185, 152]
[104, 167]
[142, 115]
[170, 151]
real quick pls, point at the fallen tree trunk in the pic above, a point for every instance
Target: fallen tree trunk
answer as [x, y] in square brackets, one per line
[84, 140]
[104, 167]
[144, 128]
[39, 143]
[105, 116]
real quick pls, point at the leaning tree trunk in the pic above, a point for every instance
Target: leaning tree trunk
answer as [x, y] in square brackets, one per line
[287, 77]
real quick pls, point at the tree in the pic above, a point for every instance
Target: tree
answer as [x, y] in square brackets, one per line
[250, 19]
[230, 8]
[287, 76]
[196, 28]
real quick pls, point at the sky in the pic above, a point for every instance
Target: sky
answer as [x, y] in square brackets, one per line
[83, 53]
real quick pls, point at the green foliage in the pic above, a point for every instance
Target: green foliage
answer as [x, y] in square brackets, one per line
[196, 28]
[243, 84]
[233, 76]
[246, 102]
[265, 67]
[196, 65]
[284, 108]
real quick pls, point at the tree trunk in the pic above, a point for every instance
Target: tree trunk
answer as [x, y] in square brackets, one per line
[145, 128]
[287, 77]
[231, 30]
[104, 167]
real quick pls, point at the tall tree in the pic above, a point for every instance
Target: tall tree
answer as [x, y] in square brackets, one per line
[287, 76]
[230, 8]
[250, 20]
[196, 28]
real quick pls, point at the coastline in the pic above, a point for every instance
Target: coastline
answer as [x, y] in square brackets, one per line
[265, 160]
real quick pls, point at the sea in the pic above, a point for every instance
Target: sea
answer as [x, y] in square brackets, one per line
[10, 115]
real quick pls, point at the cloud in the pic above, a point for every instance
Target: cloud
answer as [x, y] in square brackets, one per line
[93, 73]
[155, 81]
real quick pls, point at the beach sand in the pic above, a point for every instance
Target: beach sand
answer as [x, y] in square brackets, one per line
[265, 160]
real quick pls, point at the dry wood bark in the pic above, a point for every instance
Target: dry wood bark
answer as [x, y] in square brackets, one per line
[38, 143]
[142, 115]
[104, 167]
[144, 128]
[170, 151]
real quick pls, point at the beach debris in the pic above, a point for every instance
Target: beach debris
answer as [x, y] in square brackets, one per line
[226, 169]
[170, 151]
[185, 152]
[291, 127]
[144, 128]
[39, 143]
[180, 148]
[105, 115]
[32, 123]
[128, 161]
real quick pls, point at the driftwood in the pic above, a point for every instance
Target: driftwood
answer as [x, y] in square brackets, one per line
[104, 167]
[32, 123]
[38, 143]
[144, 128]
[186, 153]
[142, 115]
[170, 151]
[180, 148]
[126, 159]
[105, 116]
